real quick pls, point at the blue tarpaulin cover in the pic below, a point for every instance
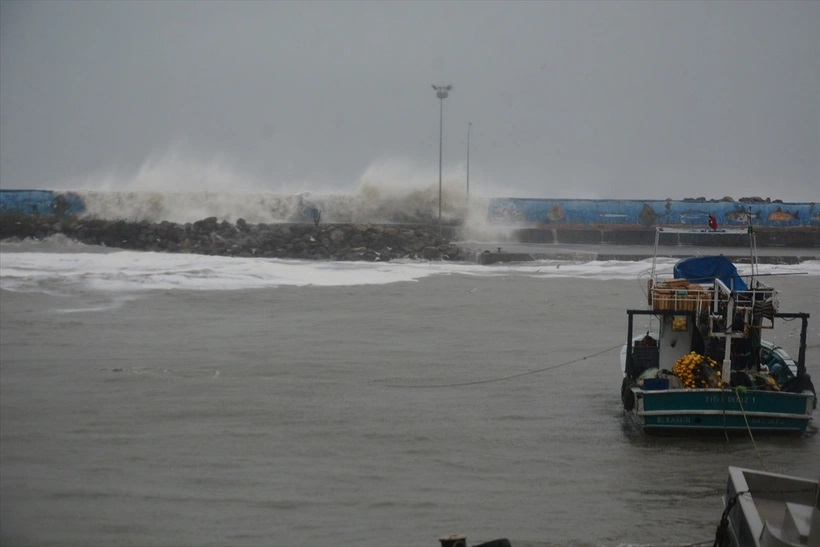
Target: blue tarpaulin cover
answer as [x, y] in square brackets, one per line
[704, 269]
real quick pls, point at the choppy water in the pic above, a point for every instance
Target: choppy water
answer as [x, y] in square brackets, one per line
[154, 399]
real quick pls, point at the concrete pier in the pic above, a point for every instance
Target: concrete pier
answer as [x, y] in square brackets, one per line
[499, 253]
[585, 243]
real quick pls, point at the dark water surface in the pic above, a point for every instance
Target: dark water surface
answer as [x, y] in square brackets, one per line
[330, 416]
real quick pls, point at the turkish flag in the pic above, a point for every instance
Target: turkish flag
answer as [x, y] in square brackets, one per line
[712, 222]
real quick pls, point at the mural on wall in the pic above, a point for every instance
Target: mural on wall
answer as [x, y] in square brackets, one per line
[650, 213]
[41, 202]
[528, 212]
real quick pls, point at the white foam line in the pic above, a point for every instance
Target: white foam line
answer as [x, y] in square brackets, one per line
[133, 271]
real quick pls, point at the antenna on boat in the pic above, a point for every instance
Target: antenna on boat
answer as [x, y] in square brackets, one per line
[658, 231]
[752, 245]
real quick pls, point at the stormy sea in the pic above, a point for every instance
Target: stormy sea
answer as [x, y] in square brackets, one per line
[175, 399]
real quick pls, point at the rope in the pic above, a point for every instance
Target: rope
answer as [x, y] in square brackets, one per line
[721, 536]
[723, 403]
[749, 429]
[519, 375]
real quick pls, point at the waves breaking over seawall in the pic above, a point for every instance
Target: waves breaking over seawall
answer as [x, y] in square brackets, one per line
[379, 205]
[370, 205]
[374, 224]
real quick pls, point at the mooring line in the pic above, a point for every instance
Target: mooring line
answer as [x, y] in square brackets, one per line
[721, 537]
[510, 377]
[723, 403]
[749, 429]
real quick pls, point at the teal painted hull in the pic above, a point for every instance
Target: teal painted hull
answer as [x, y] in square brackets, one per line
[721, 410]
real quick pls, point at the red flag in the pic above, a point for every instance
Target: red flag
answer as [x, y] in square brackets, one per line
[712, 222]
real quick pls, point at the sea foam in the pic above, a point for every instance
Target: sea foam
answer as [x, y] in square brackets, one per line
[133, 271]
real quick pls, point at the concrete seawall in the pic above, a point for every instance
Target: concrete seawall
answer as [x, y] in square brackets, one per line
[508, 253]
[774, 245]
[410, 208]
[808, 237]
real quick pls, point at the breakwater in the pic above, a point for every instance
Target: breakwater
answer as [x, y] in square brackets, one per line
[384, 242]
[806, 237]
[370, 242]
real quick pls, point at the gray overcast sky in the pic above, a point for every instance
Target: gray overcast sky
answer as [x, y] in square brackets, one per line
[583, 99]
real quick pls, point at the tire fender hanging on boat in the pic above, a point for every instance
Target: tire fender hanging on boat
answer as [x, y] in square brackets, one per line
[627, 395]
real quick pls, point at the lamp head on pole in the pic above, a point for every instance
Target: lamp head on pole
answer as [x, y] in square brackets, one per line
[442, 91]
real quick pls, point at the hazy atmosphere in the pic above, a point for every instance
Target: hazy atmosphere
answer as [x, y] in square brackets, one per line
[641, 100]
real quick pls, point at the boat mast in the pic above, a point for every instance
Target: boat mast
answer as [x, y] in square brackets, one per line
[658, 230]
[752, 248]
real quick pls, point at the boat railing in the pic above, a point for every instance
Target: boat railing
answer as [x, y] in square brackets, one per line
[679, 295]
[758, 299]
[757, 304]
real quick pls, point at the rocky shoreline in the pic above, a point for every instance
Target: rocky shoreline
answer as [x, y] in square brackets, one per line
[342, 242]
[367, 242]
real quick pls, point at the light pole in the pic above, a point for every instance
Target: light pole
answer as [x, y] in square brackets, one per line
[442, 91]
[469, 126]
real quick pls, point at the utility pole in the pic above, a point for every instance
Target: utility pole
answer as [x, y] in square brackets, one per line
[469, 126]
[442, 92]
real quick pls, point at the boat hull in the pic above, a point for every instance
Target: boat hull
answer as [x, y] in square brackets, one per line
[768, 509]
[719, 410]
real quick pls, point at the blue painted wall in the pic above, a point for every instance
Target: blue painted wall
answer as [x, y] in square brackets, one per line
[649, 213]
[40, 202]
[520, 211]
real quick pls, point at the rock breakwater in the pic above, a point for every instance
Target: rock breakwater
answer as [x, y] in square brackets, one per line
[344, 242]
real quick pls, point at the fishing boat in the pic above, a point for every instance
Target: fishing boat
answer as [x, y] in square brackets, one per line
[765, 509]
[707, 366]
